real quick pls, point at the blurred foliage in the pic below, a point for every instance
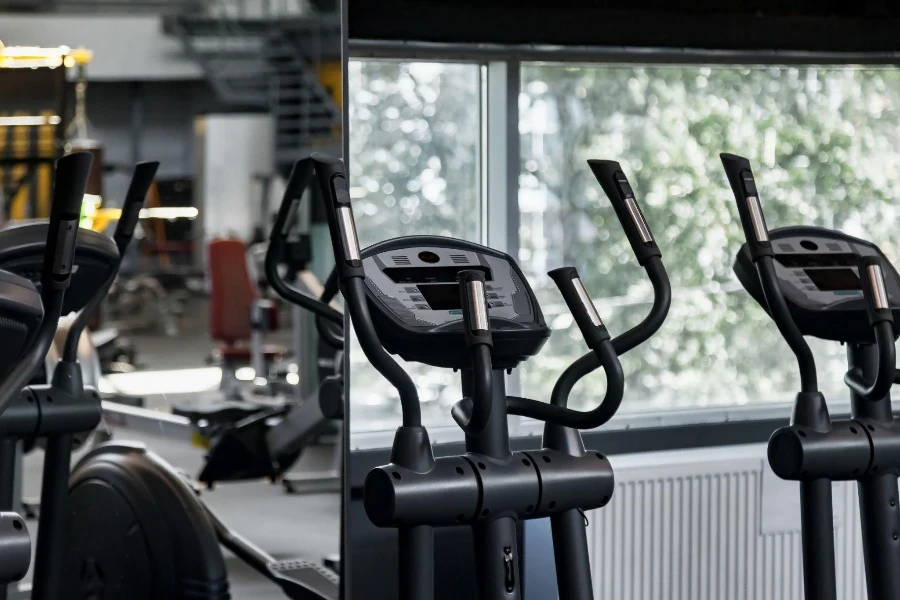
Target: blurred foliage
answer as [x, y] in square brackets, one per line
[825, 144]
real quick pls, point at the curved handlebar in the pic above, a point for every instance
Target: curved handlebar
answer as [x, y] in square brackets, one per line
[743, 185]
[621, 195]
[141, 180]
[479, 341]
[613, 181]
[131, 211]
[68, 193]
[882, 320]
[336, 196]
[70, 181]
[299, 180]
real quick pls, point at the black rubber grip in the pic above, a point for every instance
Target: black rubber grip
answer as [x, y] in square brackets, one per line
[70, 181]
[141, 180]
[594, 333]
[613, 181]
[743, 186]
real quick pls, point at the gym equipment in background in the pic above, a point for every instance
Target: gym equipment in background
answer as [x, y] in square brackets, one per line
[832, 286]
[239, 318]
[126, 523]
[454, 304]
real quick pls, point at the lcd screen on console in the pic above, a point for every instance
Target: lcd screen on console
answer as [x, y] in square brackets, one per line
[442, 297]
[834, 280]
[430, 274]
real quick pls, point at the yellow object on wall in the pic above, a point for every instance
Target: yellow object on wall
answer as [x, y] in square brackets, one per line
[17, 141]
[331, 76]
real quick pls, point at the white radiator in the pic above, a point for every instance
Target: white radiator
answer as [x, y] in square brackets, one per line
[711, 524]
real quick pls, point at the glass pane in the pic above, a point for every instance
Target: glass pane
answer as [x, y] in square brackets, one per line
[414, 169]
[826, 146]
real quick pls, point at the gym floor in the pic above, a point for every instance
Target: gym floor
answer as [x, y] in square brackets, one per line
[287, 526]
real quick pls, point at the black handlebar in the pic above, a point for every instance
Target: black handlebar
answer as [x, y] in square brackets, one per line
[336, 196]
[336, 192]
[597, 338]
[131, 210]
[141, 180]
[613, 181]
[580, 305]
[479, 341]
[300, 178]
[621, 195]
[70, 181]
[882, 320]
[68, 193]
[743, 185]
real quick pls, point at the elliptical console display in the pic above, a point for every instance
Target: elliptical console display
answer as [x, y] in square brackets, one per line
[411, 284]
[818, 273]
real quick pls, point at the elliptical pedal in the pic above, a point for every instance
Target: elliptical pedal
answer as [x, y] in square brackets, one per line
[303, 580]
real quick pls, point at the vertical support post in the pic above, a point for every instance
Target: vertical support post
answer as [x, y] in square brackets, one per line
[8, 450]
[496, 539]
[346, 569]
[52, 527]
[879, 508]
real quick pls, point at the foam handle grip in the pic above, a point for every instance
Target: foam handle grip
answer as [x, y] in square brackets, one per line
[141, 180]
[301, 175]
[613, 181]
[743, 185]
[580, 305]
[336, 195]
[70, 181]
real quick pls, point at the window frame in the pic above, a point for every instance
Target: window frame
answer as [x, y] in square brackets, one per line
[500, 147]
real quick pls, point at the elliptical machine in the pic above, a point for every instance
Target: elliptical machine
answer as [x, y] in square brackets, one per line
[29, 321]
[268, 443]
[454, 304]
[832, 286]
[125, 524]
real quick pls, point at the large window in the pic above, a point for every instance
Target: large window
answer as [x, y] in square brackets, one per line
[825, 143]
[415, 152]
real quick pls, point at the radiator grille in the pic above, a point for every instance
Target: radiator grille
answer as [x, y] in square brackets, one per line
[697, 536]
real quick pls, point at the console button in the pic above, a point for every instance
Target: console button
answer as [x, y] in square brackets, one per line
[623, 184]
[749, 183]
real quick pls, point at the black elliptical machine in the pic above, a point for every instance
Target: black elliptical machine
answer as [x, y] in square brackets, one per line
[28, 320]
[268, 442]
[454, 304]
[832, 286]
[125, 524]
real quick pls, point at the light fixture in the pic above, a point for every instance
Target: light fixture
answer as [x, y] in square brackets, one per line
[33, 57]
[170, 212]
[29, 121]
[245, 374]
